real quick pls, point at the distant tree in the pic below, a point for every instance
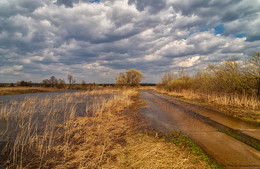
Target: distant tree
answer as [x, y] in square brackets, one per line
[24, 83]
[132, 77]
[54, 81]
[83, 83]
[121, 79]
[61, 83]
[71, 80]
[46, 83]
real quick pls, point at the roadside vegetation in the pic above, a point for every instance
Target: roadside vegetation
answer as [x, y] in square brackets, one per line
[48, 132]
[232, 87]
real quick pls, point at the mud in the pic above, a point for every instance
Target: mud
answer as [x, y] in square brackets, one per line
[202, 126]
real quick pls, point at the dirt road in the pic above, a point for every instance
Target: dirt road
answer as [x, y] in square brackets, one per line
[202, 125]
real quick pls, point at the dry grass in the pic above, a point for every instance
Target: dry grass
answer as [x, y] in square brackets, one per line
[145, 151]
[23, 90]
[242, 106]
[108, 136]
[222, 99]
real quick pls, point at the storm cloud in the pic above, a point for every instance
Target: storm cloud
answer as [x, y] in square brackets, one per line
[95, 40]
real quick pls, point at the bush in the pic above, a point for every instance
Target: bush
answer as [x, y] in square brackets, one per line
[229, 77]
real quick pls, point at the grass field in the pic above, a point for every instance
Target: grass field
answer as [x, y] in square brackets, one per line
[110, 135]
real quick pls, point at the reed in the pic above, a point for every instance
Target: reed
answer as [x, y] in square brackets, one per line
[84, 130]
[31, 127]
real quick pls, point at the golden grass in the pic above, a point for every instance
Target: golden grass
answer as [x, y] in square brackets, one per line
[109, 137]
[23, 90]
[144, 151]
[242, 106]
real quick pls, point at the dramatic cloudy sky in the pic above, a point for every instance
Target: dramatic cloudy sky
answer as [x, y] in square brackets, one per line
[95, 40]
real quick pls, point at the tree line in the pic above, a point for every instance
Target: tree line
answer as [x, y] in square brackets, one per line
[59, 83]
[229, 77]
[51, 82]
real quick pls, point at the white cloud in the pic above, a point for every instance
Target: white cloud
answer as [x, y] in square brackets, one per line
[11, 69]
[190, 62]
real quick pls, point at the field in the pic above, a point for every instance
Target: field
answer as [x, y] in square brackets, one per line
[91, 129]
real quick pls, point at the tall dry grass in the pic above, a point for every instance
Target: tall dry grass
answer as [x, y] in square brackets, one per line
[234, 100]
[54, 132]
[33, 126]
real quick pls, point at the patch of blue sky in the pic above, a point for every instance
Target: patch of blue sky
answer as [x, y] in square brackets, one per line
[94, 1]
[240, 35]
[218, 29]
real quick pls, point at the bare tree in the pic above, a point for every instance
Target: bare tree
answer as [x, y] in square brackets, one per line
[71, 80]
[83, 83]
[121, 79]
[167, 77]
[46, 82]
[53, 81]
[61, 83]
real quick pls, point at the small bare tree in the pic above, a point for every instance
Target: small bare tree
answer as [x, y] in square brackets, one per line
[61, 84]
[121, 79]
[71, 80]
[54, 81]
[83, 83]
[167, 77]
[46, 82]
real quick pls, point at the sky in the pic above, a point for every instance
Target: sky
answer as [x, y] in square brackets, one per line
[95, 40]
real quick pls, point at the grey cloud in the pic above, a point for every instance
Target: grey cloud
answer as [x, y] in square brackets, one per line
[154, 6]
[252, 38]
[203, 8]
[67, 3]
[22, 7]
[70, 3]
[213, 13]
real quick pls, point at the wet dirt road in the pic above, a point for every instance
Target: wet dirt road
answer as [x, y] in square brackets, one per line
[202, 125]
